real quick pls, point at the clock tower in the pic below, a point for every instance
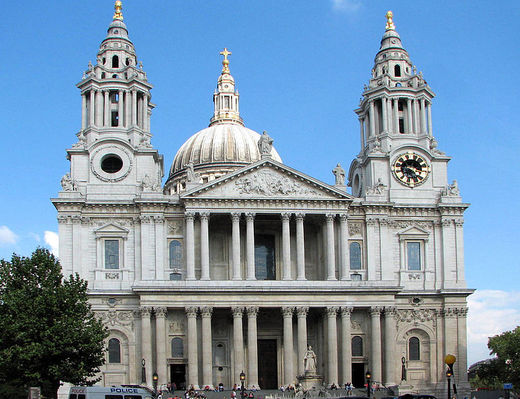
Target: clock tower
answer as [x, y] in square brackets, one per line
[399, 160]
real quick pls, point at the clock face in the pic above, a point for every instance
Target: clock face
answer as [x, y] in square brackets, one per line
[410, 169]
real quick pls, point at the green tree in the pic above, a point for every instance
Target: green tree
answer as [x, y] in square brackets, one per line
[48, 332]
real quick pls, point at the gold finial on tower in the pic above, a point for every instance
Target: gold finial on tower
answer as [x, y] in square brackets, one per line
[118, 7]
[389, 21]
[225, 61]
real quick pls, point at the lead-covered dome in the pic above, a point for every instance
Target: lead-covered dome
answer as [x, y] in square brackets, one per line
[223, 147]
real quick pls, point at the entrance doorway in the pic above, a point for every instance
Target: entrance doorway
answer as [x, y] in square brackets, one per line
[358, 375]
[178, 375]
[267, 364]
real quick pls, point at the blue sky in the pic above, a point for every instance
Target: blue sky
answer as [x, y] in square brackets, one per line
[300, 68]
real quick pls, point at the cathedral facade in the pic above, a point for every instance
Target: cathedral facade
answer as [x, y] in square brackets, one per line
[238, 262]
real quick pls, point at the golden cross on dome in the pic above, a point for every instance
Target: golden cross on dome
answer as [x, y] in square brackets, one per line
[389, 21]
[225, 61]
[118, 7]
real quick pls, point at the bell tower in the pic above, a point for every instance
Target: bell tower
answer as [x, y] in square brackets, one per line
[113, 157]
[399, 160]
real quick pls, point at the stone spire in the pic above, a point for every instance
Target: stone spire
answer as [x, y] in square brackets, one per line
[225, 98]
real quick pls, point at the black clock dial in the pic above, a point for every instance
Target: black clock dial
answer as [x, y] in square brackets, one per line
[410, 169]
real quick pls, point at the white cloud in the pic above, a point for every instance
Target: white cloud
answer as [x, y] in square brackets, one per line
[348, 6]
[35, 236]
[52, 240]
[7, 236]
[491, 312]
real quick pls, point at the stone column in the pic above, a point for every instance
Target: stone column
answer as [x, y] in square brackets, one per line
[252, 348]
[207, 344]
[250, 244]
[302, 312]
[423, 116]
[344, 264]
[459, 251]
[346, 344]
[145, 112]
[389, 114]
[238, 341]
[288, 349]
[120, 109]
[372, 119]
[416, 117]
[99, 108]
[204, 246]
[409, 116]
[462, 345]
[92, 108]
[430, 124]
[286, 246]
[390, 377]
[331, 253]
[362, 133]
[128, 109]
[159, 243]
[300, 247]
[161, 347]
[332, 346]
[134, 107]
[384, 111]
[235, 233]
[193, 362]
[106, 111]
[190, 246]
[375, 343]
[146, 342]
[396, 114]
[83, 111]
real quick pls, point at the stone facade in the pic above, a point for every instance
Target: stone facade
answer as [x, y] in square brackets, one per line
[240, 264]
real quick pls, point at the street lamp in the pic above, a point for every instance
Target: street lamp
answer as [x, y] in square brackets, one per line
[155, 378]
[242, 379]
[449, 360]
[368, 376]
[403, 369]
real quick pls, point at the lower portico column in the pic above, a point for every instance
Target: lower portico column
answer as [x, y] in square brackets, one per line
[146, 342]
[235, 233]
[375, 343]
[390, 340]
[160, 331]
[302, 312]
[331, 256]
[238, 342]
[288, 375]
[190, 246]
[252, 348]
[204, 246]
[193, 364]
[300, 247]
[332, 345]
[250, 245]
[346, 346]
[286, 246]
[207, 344]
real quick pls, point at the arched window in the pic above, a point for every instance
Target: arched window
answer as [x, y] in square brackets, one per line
[414, 349]
[114, 351]
[177, 347]
[355, 256]
[115, 61]
[357, 346]
[175, 254]
[397, 71]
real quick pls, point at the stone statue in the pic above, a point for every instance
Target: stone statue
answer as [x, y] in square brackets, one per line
[339, 173]
[148, 184]
[191, 176]
[377, 189]
[451, 190]
[309, 361]
[265, 144]
[67, 183]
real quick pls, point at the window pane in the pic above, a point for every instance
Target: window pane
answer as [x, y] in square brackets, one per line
[357, 346]
[414, 255]
[265, 268]
[414, 349]
[355, 256]
[175, 254]
[114, 351]
[111, 254]
[177, 347]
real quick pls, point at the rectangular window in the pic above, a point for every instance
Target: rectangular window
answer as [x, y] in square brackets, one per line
[413, 255]
[265, 267]
[111, 254]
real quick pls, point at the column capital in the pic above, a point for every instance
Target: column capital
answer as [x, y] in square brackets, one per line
[189, 215]
[206, 311]
[330, 217]
[191, 311]
[287, 311]
[250, 215]
[252, 311]
[146, 311]
[235, 216]
[204, 215]
[285, 215]
[390, 311]
[332, 311]
[161, 311]
[238, 311]
[375, 311]
[343, 217]
[302, 311]
[299, 215]
[346, 311]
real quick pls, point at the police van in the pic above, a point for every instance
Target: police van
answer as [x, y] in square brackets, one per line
[117, 392]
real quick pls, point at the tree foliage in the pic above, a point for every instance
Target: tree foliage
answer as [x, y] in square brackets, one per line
[48, 332]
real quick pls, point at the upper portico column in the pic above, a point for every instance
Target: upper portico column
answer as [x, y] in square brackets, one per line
[235, 233]
[250, 244]
[204, 245]
[300, 247]
[190, 246]
[286, 246]
[344, 248]
[331, 255]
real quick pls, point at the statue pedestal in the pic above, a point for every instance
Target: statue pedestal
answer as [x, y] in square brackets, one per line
[310, 381]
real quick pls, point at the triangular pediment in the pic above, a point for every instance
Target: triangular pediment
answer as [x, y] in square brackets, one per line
[267, 179]
[111, 228]
[413, 231]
